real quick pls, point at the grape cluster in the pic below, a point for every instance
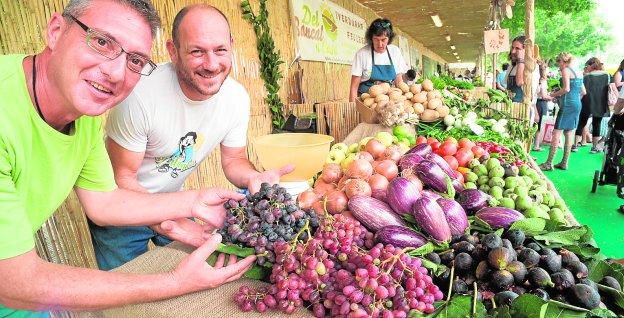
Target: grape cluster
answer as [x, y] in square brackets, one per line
[262, 219]
[340, 273]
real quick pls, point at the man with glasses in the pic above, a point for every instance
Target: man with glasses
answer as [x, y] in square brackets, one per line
[51, 142]
[172, 121]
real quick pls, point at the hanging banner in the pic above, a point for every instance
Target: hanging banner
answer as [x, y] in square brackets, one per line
[496, 41]
[326, 32]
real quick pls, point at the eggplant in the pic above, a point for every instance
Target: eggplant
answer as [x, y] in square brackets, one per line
[430, 217]
[498, 217]
[400, 237]
[372, 213]
[422, 150]
[473, 199]
[458, 186]
[409, 160]
[431, 175]
[401, 195]
[430, 194]
[442, 164]
[455, 215]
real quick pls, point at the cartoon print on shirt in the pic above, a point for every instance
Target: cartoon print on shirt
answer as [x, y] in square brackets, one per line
[182, 158]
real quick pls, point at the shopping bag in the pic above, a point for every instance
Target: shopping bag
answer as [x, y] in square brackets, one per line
[613, 93]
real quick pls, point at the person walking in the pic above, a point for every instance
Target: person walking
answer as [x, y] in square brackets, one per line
[595, 104]
[618, 76]
[542, 103]
[569, 97]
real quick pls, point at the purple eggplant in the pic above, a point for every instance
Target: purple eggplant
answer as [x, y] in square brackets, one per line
[410, 160]
[442, 164]
[455, 215]
[498, 217]
[422, 150]
[430, 218]
[400, 237]
[372, 213]
[431, 175]
[458, 186]
[473, 199]
[401, 195]
[430, 194]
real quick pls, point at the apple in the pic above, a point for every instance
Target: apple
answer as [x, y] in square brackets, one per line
[345, 163]
[385, 137]
[364, 141]
[354, 147]
[340, 146]
[335, 156]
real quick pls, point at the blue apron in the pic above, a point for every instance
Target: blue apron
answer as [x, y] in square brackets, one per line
[379, 73]
[514, 88]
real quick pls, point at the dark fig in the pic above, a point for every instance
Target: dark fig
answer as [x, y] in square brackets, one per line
[470, 278]
[433, 257]
[551, 263]
[529, 257]
[443, 279]
[584, 296]
[518, 290]
[479, 252]
[562, 279]
[589, 283]
[541, 294]
[507, 244]
[472, 239]
[518, 270]
[534, 246]
[611, 282]
[578, 269]
[505, 298]
[500, 257]
[568, 257]
[491, 241]
[501, 280]
[559, 297]
[447, 256]
[463, 262]
[483, 270]
[547, 251]
[460, 287]
[463, 247]
[516, 237]
[538, 277]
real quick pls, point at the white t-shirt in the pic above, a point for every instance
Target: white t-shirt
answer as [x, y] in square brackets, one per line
[363, 63]
[175, 132]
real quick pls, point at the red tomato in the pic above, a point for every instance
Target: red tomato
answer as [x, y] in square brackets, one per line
[448, 148]
[435, 145]
[463, 156]
[477, 151]
[431, 140]
[451, 161]
[421, 140]
[451, 139]
[466, 143]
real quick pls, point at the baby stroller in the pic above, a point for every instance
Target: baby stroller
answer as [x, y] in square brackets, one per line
[613, 163]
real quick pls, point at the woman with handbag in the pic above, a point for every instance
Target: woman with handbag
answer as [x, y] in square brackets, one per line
[595, 101]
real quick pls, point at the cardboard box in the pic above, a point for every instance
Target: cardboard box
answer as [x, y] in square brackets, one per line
[367, 115]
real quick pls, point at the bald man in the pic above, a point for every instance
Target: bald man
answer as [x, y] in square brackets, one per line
[172, 121]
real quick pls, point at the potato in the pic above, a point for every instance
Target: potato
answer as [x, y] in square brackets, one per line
[438, 94]
[427, 85]
[434, 103]
[401, 99]
[419, 108]
[394, 95]
[409, 109]
[369, 101]
[429, 115]
[364, 96]
[408, 102]
[431, 95]
[373, 106]
[382, 97]
[415, 88]
[420, 97]
[425, 103]
[375, 90]
[408, 95]
[442, 110]
[404, 87]
[386, 87]
[383, 103]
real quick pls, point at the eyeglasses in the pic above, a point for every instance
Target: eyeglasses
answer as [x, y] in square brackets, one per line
[110, 49]
[385, 25]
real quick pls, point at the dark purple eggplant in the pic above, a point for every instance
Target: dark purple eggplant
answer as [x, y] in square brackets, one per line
[372, 213]
[431, 175]
[401, 195]
[430, 218]
[400, 237]
[422, 150]
[409, 160]
[473, 199]
[442, 164]
[455, 215]
[498, 217]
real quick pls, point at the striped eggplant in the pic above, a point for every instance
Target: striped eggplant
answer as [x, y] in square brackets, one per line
[455, 215]
[442, 164]
[401, 195]
[422, 149]
[473, 199]
[409, 160]
[372, 213]
[430, 218]
[400, 237]
[431, 175]
[498, 217]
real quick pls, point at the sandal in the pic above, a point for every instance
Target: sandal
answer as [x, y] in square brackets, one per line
[537, 149]
[561, 166]
[546, 166]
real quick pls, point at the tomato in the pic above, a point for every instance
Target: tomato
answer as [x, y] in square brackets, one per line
[459, 177]
[421, 140]
[431, 140]
[451, 161]
[477, 151]
[435, 145]
[448, 148]
[463, 156]
[463, 170]
[466, 143]
[451, 139]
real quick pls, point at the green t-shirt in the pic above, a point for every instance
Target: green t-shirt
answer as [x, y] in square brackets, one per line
[39, 166]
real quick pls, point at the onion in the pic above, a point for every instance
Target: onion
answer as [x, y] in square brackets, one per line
[393, 153]
[350, 216]
[336, 201]
[375, 148]
[317, 206]
[366, 156]
[331, 173]
[357, 187]
[342, 182]
[359, 169]
[388, 169]
[306, 199]
[378, 182]
[321, 187]
[402, 194]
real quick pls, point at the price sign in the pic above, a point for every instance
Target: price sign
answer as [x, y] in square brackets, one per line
[496, 41]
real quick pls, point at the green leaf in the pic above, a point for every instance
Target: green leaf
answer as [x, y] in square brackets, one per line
[235, 249]
[557, 309]
[434, 268]
[460, 306]
[528, 306]
[530, 226]
[499, 232]
[258, 272]
[602, 313]
[567, 237]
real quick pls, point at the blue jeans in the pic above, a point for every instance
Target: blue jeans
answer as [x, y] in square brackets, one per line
[117, 245]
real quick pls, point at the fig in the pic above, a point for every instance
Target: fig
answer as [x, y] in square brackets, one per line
[501, 280]
[568, 257]
[491, 241]
[463, 247]
[447, 256]
[538, 277]
[589, 283]
[507, 244]
[483, 270]
[578, 269]
[518, 289]
[516, 237]
[460, 287]
[551, 263]
[547, 251]
[500, 257]
[562, 279]
[534, 246]
[611, 282]
[479, 252]
[505, 298]
[433, 257]
[463, 262]
[541, 294]
[529, 257]
[518, 270]
[584, 296]
[472, 239]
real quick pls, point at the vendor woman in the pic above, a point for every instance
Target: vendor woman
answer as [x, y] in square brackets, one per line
[378, 61]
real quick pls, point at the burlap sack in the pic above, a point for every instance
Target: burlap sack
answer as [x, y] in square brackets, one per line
[215, 303]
